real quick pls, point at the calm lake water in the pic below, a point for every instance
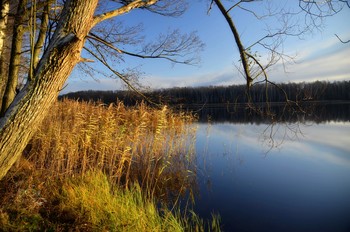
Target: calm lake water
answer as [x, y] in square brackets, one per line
[290, 176]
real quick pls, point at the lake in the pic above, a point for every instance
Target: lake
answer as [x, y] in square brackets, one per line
[291, 175]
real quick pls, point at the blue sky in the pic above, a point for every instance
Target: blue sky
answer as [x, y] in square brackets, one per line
[318, 55]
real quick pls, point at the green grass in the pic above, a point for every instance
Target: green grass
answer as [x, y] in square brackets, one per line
[91, 203]
[94, 203]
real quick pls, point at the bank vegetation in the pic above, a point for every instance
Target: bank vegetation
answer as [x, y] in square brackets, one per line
[94, 167]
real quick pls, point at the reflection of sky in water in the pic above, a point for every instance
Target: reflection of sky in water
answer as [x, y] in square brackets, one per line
[301, 184]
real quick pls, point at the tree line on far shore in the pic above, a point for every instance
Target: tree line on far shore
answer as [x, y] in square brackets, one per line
[259, 93]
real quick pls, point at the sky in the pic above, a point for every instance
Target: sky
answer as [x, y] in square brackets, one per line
[317, 56]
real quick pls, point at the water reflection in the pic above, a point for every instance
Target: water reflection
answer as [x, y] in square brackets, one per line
[289, 176]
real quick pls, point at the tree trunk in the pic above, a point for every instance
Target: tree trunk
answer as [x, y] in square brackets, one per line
[4, 11]
[33, 102]
[42, 35]
[240, 46]
[15, 57]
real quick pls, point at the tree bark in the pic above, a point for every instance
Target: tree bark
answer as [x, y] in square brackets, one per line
[34, 101]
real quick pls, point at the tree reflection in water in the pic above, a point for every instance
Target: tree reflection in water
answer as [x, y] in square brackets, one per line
[261, 172]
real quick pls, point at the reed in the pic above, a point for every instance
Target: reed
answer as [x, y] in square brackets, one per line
[96, 167]
[150, 146]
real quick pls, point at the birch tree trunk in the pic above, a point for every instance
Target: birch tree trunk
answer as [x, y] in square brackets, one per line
[31, 105]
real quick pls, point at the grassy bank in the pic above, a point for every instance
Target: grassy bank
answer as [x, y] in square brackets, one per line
[88, 203]
[92, 167]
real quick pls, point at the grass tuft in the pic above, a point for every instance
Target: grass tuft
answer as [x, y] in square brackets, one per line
[91, 200]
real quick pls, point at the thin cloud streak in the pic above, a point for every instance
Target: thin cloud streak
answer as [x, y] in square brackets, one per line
[73, 85]
[226, 77]
[330, 66]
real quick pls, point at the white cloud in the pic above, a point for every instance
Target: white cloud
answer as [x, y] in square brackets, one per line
[76, 84]
[329, 62]
[225, 77]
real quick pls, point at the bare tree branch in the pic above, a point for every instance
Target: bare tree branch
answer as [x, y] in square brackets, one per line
[317, 11]
[346, 2]
[122, 10]
[170, 8]
[102, 59]
[179, 46]
[343, 41]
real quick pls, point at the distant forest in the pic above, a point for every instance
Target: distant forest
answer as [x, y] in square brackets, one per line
[300, 92]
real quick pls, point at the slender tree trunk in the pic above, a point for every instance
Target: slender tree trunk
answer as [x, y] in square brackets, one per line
[15, 57]
[4, 11]
[34, 101]
[240, 46]
[42, 35]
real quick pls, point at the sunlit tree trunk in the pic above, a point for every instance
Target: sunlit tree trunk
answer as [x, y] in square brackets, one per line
[30, 106]
[42, 35]
[15, 57]
[4, 11]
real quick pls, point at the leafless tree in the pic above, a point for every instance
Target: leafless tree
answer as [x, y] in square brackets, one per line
[48, 37]
[256, 71]
[51, 35]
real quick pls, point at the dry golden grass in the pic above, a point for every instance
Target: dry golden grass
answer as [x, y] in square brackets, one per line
[150, 146]
[92, 167]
